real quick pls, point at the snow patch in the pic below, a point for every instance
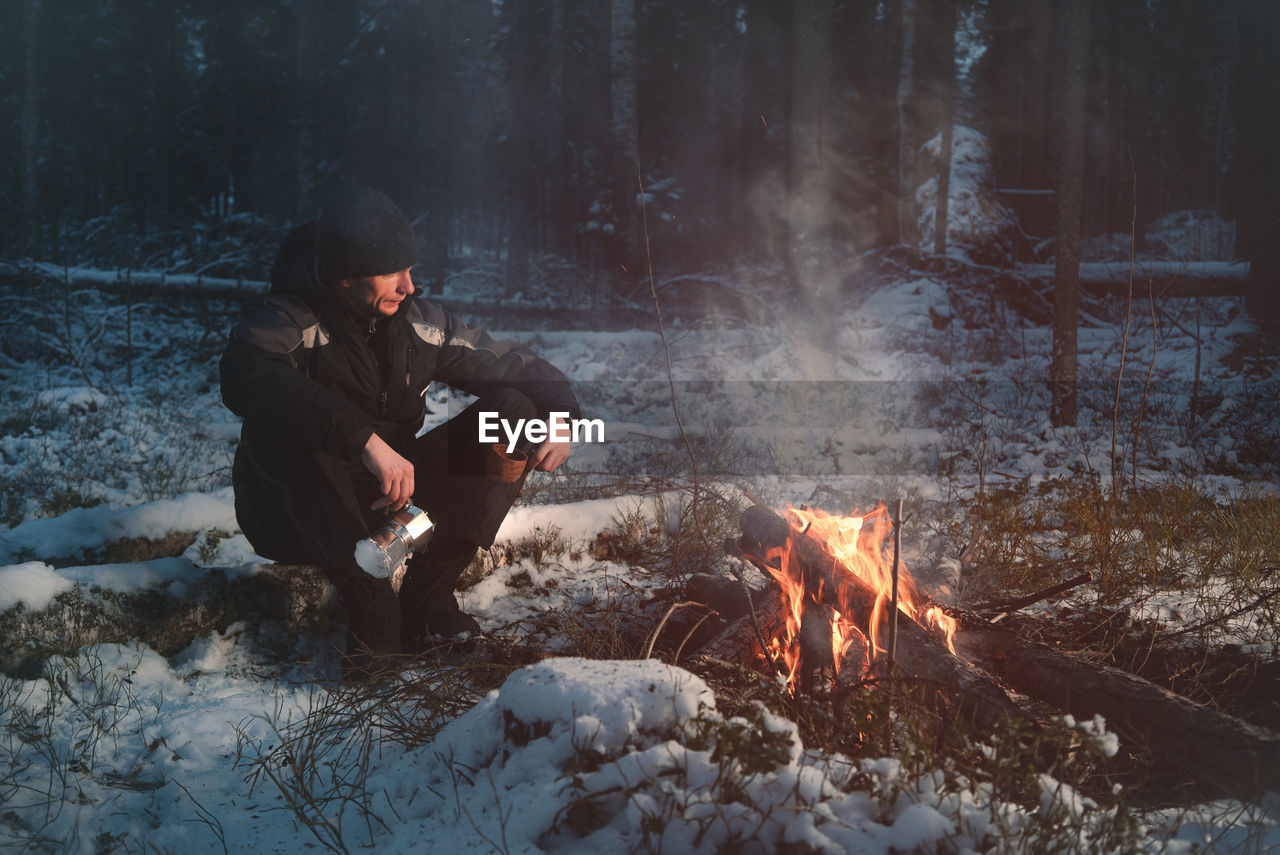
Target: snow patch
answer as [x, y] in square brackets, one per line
[32, 584]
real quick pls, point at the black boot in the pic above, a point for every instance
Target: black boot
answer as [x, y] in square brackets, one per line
[451, 622]
[427, 604]
[373, 628]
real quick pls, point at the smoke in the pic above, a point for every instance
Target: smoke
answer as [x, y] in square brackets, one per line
[815, 225]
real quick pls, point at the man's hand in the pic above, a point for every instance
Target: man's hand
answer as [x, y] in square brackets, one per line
[549, 455]
[394, 473]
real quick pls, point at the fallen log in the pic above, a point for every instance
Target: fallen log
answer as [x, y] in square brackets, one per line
[1166, 279]
[921, 657]
[1230, 755]
[737, 642]
[166, 618]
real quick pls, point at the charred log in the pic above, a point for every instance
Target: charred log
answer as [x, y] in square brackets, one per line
[738, 642]
[921, 658]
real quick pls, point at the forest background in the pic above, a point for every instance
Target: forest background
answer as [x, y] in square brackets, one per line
[186, 135]
[785, 162]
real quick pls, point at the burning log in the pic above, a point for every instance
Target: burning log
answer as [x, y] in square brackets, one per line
[809, 619]
[1231, 755]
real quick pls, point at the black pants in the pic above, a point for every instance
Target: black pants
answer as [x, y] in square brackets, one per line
[314, 514]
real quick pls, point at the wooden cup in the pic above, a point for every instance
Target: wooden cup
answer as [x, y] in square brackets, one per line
[503, 466]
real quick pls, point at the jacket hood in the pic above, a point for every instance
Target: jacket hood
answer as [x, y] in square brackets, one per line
[294, 269]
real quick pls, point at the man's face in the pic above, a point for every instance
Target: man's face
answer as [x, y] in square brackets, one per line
[379, 296]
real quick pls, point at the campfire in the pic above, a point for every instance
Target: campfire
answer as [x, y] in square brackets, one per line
[831, 587]
[832, 608]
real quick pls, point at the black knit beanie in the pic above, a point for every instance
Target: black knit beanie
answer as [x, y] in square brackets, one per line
[362, 233]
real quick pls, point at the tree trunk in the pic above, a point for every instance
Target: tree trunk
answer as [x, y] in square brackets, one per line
[624, 138]
[527, 23]
[30, 123]
[305, 14]
[906, 151]
[439, 152]
[1019, 81]
[167, 126]
[1066, 290]
[559, 186]
[238, 133]
[1037, 96]
[1258, 172]
[947, 83]
[761, 110]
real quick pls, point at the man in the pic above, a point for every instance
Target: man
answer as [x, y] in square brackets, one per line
[329, 373]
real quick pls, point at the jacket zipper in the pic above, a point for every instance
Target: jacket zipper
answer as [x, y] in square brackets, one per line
[383, 397]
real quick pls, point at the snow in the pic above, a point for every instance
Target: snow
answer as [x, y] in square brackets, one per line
[33, 584]
[373, 560]
[975, 218]
[568, 754]
[594, 515]
[84, 530]
[909, 307]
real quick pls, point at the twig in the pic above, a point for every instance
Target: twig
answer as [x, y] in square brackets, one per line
[1146, 385]
[755, 500]
[676, 657]
[1005, 607]
[893, 619]
[653, 637]
[1124, 337]
[755, 625]
[502, 820]
[205, 816]
[893, 607]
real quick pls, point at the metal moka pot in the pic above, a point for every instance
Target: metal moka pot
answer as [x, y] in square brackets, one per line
[382, 552]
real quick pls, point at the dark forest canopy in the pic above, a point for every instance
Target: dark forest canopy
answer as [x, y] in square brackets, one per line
[513, 130]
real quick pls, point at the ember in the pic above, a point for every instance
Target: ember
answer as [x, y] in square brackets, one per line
[854, 548]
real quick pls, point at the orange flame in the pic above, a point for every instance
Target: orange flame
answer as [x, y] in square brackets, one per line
[861, 558]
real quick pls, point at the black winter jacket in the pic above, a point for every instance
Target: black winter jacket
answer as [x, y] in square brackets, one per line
[312, 380]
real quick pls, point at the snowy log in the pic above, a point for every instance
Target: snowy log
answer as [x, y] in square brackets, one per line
[1163, 278]
[298, 597]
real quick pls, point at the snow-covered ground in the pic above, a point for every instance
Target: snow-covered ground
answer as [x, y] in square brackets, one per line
[932, 394]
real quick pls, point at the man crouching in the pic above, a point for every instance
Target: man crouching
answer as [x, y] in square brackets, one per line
[329, 372]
